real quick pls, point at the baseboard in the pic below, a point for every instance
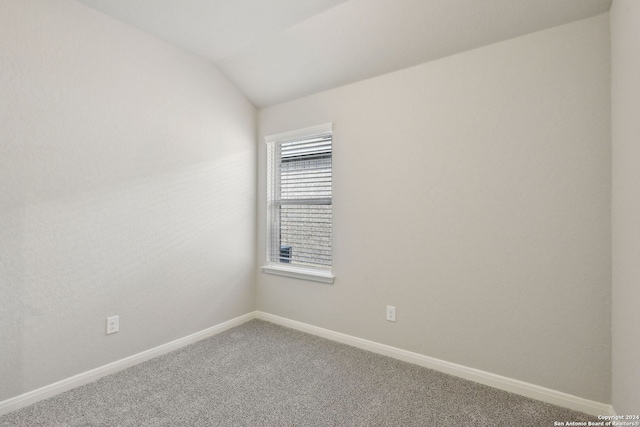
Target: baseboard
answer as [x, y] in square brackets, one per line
[497, 381]
[508, 384]
[31, 397]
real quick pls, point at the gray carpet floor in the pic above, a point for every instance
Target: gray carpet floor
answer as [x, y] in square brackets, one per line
[261, 374]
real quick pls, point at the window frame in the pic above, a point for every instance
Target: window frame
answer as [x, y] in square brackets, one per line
[317, 274]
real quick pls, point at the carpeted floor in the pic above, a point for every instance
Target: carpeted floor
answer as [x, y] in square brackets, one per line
[261, 374]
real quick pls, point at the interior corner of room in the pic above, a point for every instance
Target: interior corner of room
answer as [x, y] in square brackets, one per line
[488, 196]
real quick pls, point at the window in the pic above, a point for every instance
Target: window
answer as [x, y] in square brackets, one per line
[299, 204]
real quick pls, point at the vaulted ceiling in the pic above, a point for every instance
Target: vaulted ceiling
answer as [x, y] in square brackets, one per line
[278, 50]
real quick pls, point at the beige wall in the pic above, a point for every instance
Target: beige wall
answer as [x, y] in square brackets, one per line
[127, 187]
[472, 193]
[625, 105]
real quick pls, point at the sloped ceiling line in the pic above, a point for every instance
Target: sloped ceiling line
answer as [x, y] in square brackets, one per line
[279, 50]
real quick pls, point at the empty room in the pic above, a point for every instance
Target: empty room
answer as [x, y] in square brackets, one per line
[319, 212]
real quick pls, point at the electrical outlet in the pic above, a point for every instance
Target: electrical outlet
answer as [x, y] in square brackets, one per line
[391, 313]
[113, 324]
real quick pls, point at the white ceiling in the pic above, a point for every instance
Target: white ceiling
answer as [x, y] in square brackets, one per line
[278, 50]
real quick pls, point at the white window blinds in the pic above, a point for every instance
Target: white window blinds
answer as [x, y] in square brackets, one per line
[300, 199]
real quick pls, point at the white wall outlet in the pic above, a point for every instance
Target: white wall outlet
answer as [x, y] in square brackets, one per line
[391, 313]
[113, 324]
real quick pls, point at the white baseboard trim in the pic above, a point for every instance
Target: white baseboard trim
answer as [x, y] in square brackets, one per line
[503, 383]
[497, 381]
[50, 390]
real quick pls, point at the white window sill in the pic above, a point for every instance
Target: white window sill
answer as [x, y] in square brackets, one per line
[300, 273]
